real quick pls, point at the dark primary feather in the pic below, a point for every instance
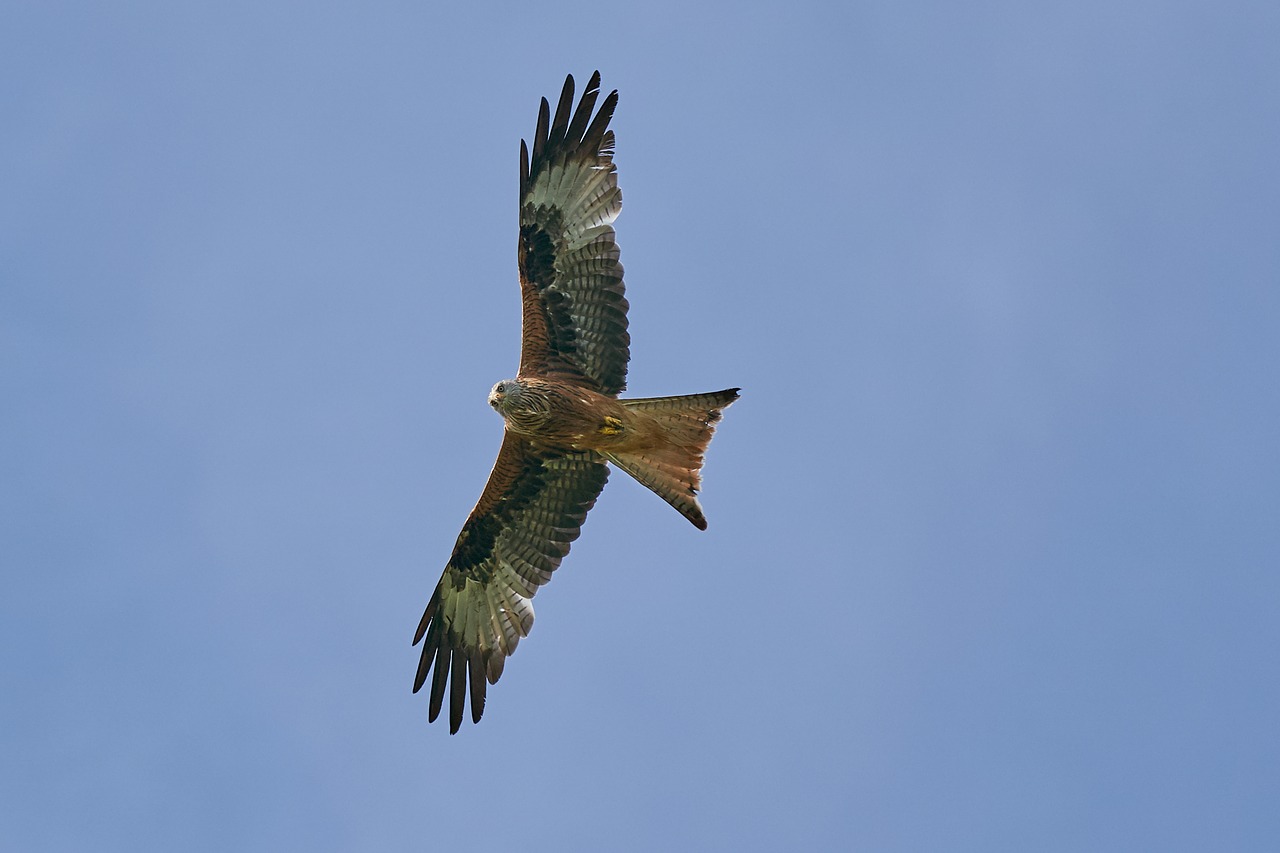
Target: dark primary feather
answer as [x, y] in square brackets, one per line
[575, 309]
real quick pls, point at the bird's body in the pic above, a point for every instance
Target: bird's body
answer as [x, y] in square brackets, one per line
[576, 418]
[564, 419]
[558, 413]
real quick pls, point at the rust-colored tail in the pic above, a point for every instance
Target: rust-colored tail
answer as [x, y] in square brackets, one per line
[671, 467]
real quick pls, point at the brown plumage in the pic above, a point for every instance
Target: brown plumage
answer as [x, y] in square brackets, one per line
[564, 420]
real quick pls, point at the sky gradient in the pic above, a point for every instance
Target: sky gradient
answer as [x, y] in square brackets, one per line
[993, 546]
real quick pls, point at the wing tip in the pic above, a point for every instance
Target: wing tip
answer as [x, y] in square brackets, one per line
[458, 667]
[571, 129]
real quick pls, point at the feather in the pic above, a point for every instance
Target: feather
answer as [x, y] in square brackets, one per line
[540, 133]
[560, 124]
[478, 683]
[458, 690]
[583, 114]
[438, 681]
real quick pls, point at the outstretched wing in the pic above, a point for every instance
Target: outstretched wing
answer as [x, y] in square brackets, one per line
[531, 509]
[575, 313]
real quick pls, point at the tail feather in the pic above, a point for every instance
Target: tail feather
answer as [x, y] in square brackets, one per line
[672, 466]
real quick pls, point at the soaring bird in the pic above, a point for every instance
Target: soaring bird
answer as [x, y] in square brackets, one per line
[563, 419]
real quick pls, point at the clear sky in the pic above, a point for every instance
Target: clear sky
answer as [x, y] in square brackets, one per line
[994, 548]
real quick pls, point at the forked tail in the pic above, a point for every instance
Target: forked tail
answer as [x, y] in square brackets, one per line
[672, 466]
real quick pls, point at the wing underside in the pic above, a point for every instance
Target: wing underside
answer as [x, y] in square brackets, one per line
[531, 510]
[575, 310]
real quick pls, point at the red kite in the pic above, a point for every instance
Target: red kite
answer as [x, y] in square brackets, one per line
[564, 420]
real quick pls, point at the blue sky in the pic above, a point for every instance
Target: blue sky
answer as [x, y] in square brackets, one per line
[993, 546]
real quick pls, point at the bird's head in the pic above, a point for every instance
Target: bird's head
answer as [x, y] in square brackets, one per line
[505, 395]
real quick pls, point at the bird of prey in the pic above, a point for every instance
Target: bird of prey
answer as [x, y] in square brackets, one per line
[563, 419]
